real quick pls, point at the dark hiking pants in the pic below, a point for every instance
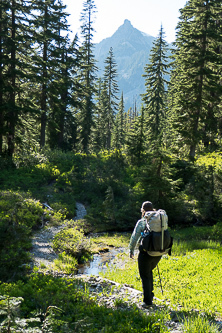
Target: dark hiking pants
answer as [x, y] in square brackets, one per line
[146, 264]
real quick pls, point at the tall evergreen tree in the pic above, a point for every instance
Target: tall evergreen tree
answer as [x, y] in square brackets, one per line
[197, 75]
[110, 75]
[49, 23]
[12, 116]
[155, 100]
[87, 75]
[62, 122]
[119, 130]
[100, 119]
[14, 52]
[156, 88]
[4, 6]
[135, 141]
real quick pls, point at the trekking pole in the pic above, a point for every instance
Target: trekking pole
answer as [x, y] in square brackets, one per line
[160, 279]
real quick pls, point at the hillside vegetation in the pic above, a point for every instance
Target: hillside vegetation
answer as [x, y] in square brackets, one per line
[111, 189]
[65, 137]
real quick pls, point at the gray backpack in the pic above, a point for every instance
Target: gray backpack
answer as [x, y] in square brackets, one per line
[156, 239]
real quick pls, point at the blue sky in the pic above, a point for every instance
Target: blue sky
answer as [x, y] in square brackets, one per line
[145, 15]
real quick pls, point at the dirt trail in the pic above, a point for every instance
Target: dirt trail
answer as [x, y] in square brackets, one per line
[42, 252]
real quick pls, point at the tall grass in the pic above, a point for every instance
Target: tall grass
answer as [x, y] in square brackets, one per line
[186, 246]
[191, 277]
[199, 324]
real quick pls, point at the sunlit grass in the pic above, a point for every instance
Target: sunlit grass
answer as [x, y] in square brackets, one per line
[42, 265]
[112, 239]
[193, 281]
[181, 247]
[199, 324]
[191, 277]
[199, 233]
[66, 263]
[102, 242]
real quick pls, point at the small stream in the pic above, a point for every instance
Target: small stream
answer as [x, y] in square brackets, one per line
[99, 262]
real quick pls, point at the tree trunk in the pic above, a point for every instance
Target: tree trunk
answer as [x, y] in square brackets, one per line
[44, 86]
[158, 173]
[64, 95]
[200, 93]
[1, 82]
[12, 111]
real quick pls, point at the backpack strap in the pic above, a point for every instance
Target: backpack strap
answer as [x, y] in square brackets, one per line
[147, 219]
[162, 232]
[147, 226]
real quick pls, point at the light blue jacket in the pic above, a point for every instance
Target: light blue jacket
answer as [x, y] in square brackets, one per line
[136, 235]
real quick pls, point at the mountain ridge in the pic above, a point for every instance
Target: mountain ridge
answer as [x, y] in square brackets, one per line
[131, 49]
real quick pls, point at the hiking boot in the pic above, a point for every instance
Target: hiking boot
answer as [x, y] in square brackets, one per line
[147, 306]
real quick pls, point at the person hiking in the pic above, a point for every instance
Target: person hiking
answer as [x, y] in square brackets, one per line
[146, 262]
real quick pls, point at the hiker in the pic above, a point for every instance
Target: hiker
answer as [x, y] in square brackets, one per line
[146, 262]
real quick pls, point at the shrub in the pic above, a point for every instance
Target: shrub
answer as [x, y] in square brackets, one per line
[73, 242]
[19, 209]
[18, 215]
[14, 242]
[29, 158]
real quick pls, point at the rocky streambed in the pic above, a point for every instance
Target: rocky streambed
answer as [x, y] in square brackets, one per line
[42, 253]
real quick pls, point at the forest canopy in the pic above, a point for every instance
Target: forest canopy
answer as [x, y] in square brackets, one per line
[51, 99]
[50, 94]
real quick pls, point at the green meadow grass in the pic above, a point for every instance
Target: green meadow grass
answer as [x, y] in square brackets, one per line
[190, 280]
[191, 277]
[107, 240]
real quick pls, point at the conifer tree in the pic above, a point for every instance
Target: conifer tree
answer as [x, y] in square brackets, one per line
[155, 100]
[12, 116]
[49, 23]
[197, 75]
[156, 89]
[62, 122]
[63, 89]
[135, 140]
[109, 205]
[129, 119]
[87, 75]
[100, 121]
[119, 130]
[3, 63]
[110, 75]
[14, 51]
[96, 131]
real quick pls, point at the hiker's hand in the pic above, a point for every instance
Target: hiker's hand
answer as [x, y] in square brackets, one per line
[131, 256]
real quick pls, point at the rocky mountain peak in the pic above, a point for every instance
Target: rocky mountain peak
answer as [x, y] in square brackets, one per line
[131, 49]
[127, 22]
